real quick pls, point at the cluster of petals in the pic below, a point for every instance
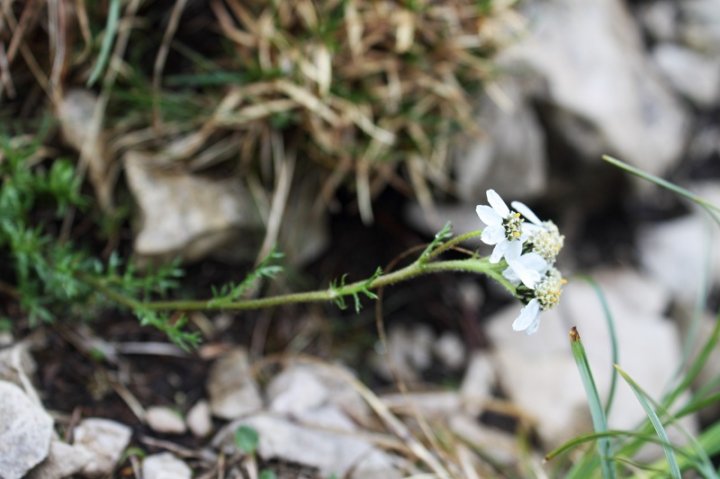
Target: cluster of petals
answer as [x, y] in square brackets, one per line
[529, 247]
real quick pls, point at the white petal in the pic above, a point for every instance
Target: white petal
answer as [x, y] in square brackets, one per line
[526, 212]
[497, 203]
[488, 215]
[534, 326]
[533, 261]
[529, 277]
[527, 316]
[499, 252]
[493, 234]
[511, 276]
[513, 250]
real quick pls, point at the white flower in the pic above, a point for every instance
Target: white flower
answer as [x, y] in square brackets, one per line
[503, 225]
[527, 268]
[546, 295]
[543, 236]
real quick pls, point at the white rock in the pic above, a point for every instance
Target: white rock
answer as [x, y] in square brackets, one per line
[499, 445]
[478, 382]
[187, 214]
[409, 351]
[15, 359]
[165, 420]
[331, 453]
[326, 417]
[105, 440]
[341, 393]
[659, 19]
[295, 390]
[64, 460]
[678, 252]
[450, 350]
[25, 432]
[603, 92]
[695, 76]
[75, 113]
[539, 374]
[232, 389]
[700, 24]
[199, 420]
[165, 466]
[510, 154]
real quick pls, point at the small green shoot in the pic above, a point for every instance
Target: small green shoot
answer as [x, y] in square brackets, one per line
[247, 439]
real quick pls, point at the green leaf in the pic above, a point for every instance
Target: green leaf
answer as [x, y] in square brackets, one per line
[247, 439]
[597, 411]
[614, 352]
[267, 474]
[644, 401]
[111, 29]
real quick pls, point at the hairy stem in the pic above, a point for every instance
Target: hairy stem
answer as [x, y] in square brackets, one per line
[468, 265]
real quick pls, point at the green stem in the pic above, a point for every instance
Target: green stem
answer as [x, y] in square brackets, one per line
[469, 265]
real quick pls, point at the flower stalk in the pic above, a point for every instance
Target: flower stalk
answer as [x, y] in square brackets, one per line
[427, 264]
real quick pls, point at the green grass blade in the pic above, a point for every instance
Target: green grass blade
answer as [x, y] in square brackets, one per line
[111, 29]
[696, 367]
[713, 210]
[644, 401]
[597, 411]
[594, 436]
[614, 351]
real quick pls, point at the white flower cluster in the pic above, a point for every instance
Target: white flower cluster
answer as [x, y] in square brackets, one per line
[530, 247]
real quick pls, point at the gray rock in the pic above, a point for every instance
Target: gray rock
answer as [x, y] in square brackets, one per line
[165, 420]
[25, 432]
[677, 254]
[75, 112]
[601, 92]
[450, 350]
[331, 453]
[695, 76]
[540, 376]
[165, 466]
[477, 383]
[105, 440]
[188, 215]
[700, 25]
[16, 359]
[501, 446]
[64, 460]
[659, 19]
[509, 155]
[409, 351]
[296, 390]
[199, 420]
[232, 389]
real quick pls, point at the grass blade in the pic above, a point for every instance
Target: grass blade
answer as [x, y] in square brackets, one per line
[596, 408]
[111, 29]
[713, 210]
[644, 401]
[614, 351]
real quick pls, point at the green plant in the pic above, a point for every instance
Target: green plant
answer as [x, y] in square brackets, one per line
[617, 449]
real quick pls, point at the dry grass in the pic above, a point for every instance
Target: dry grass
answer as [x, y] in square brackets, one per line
[358, 87]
